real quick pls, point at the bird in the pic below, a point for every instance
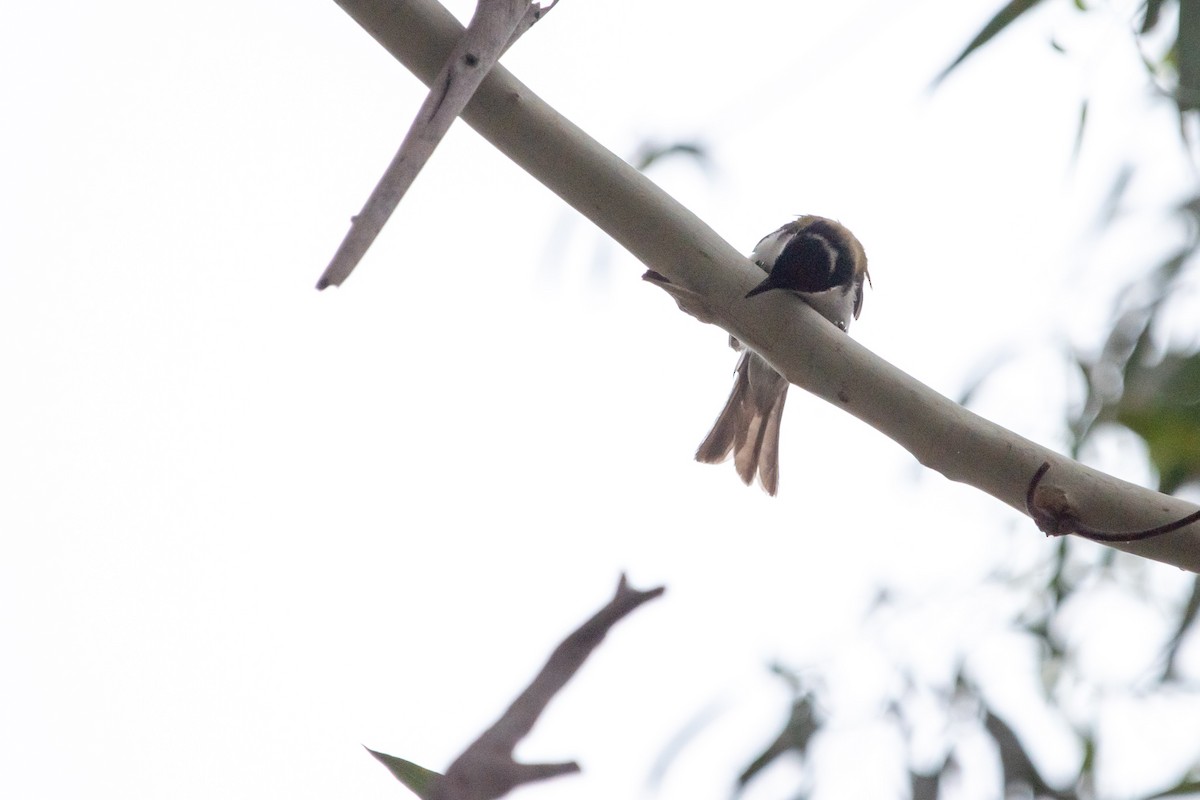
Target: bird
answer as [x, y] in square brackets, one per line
[822, 262]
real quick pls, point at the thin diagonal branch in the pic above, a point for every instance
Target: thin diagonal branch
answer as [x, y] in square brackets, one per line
[492, 30]
[809, 352]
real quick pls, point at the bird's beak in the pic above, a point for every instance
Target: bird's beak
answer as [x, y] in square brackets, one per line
[762, 287]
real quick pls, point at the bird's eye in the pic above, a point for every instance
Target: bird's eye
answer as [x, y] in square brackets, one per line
[841, 324]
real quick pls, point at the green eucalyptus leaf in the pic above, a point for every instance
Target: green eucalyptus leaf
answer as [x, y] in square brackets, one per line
[1015, 763]
[1083, 117]
[924, 787]
[1187, 54]
[418, 779]
[650, 154]
[1150, 19]
[794, 737]
[1174, 442]
[1180, 789]
[1003, 18]
[1087, 767]
[1187, 617]
[1162, 405]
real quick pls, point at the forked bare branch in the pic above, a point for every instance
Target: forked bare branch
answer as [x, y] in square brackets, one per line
[486, 769]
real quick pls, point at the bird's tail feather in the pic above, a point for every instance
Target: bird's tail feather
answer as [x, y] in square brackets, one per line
[748, 426]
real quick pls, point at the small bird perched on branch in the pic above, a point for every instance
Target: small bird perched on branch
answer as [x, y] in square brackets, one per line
[822, 262]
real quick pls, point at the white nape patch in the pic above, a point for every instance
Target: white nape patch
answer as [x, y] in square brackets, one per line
[831, 250]
[769, 248]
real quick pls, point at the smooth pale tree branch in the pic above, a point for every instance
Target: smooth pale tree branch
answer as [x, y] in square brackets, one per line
[492, 30]
[808, 351]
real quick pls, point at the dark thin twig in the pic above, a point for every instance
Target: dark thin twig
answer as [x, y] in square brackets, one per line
[1051, 511]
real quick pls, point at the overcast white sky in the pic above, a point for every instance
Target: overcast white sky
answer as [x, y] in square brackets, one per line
[246, 527]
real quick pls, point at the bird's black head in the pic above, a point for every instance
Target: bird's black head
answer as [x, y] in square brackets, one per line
[816, 259]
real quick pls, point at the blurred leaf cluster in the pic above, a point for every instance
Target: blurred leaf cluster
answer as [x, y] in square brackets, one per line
[1133, 383]
[958, 714]
[1176, 69]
